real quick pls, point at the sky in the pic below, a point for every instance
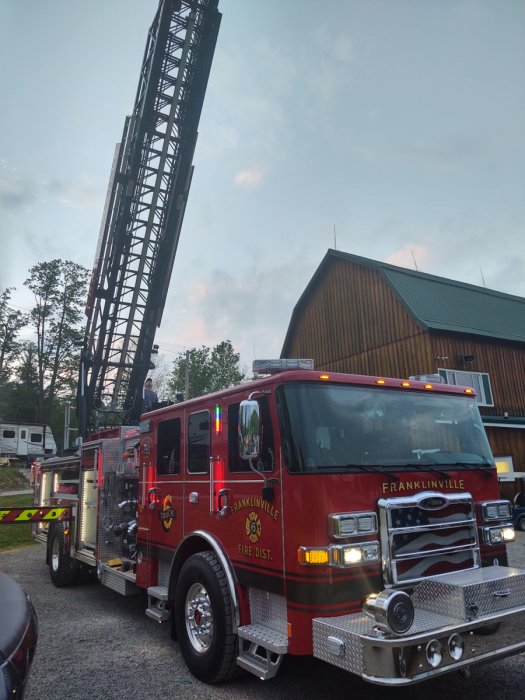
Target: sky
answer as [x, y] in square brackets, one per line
[390, 129]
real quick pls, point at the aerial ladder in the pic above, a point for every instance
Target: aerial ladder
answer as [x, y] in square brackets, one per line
[144, 209]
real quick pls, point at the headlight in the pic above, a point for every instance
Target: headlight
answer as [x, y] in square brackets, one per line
[496, 510]
[340, 555]
[393, 611]
[499, 534]
[434, 653]
[456, 647]
[350, 554]
[351, 524]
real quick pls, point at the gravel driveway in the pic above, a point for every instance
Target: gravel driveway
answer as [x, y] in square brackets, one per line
[95, 644]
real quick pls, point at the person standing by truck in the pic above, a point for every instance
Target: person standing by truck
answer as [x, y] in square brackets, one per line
[150, 396]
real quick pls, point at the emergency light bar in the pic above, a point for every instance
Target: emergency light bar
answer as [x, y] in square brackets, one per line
[276, 366]
[435, 378]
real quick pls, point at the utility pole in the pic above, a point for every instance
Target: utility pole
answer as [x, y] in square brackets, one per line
[187, 377]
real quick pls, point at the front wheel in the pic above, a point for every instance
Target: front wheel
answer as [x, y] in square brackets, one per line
[521, 524]
[62, 569]
[204, 619]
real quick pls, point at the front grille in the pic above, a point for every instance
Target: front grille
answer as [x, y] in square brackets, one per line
[426, 535]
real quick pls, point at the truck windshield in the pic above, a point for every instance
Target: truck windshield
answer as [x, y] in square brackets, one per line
[345, 428]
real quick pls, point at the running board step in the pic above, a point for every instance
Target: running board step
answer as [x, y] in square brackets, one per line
[157, 598]
[160, 592]
[261, 650]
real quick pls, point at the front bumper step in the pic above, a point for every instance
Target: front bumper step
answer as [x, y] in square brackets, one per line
[261, 650]
[464, 604]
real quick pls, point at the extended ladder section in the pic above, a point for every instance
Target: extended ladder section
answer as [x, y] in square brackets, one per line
[144, 211]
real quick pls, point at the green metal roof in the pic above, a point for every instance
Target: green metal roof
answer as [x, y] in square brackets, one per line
[446, 305]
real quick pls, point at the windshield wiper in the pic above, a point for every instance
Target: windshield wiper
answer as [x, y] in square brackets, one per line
[485, 467]
[429, 466]
[378, 468]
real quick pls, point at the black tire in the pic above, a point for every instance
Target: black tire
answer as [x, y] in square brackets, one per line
[204, 619]
[62, 569]
[521, 524]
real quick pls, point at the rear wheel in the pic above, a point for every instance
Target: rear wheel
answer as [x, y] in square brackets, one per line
[204, 619]
[521, 524]
[62, 569]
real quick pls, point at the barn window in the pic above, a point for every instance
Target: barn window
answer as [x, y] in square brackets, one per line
[479, 381]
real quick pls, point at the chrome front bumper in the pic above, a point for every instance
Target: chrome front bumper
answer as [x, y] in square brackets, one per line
[468, 604]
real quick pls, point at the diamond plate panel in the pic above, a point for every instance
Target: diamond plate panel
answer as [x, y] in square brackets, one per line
[353, 649]
[268, 609]
[266, 637]
[469, 594]
[351, 643]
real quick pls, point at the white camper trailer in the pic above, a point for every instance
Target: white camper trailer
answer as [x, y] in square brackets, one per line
[26, 440]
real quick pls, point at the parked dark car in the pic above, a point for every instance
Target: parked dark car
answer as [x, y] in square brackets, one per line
[518, 517]
[18, 637]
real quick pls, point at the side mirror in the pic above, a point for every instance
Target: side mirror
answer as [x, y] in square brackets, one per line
[249, 429]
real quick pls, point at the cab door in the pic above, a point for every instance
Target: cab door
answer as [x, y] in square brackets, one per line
[160, 499]
[199, 467]
[166, 516]
[243, 508]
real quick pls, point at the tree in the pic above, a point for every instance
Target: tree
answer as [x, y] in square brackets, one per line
[59, 288]
[161, 375]
[17, 402]
[11, 323]
[209, 370]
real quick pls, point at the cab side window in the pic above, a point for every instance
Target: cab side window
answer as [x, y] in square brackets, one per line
[168, 447]
[199, 443]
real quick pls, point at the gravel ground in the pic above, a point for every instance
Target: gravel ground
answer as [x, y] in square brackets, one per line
[93, 643]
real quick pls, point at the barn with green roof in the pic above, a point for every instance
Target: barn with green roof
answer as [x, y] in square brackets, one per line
[368, 317]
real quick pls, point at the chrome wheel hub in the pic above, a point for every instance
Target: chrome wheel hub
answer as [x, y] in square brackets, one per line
[55, 554]
[199, 618]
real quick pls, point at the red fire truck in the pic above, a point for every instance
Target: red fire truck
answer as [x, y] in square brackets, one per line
[355, 519]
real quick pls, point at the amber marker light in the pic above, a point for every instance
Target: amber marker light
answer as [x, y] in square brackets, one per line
[468, 391]
[380, 381]
[405, 384]
[324, 376]
[428, 386]
[313, 556]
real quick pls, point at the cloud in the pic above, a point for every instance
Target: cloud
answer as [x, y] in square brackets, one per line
[444, 153]
[20, 193]
[411, 256]
[82, 194]
[251, 177]
[252, 308]
[16, 193]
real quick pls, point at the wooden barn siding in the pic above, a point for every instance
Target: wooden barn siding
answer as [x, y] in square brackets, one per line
[354, 322]
[508, 441]
[503, 361]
